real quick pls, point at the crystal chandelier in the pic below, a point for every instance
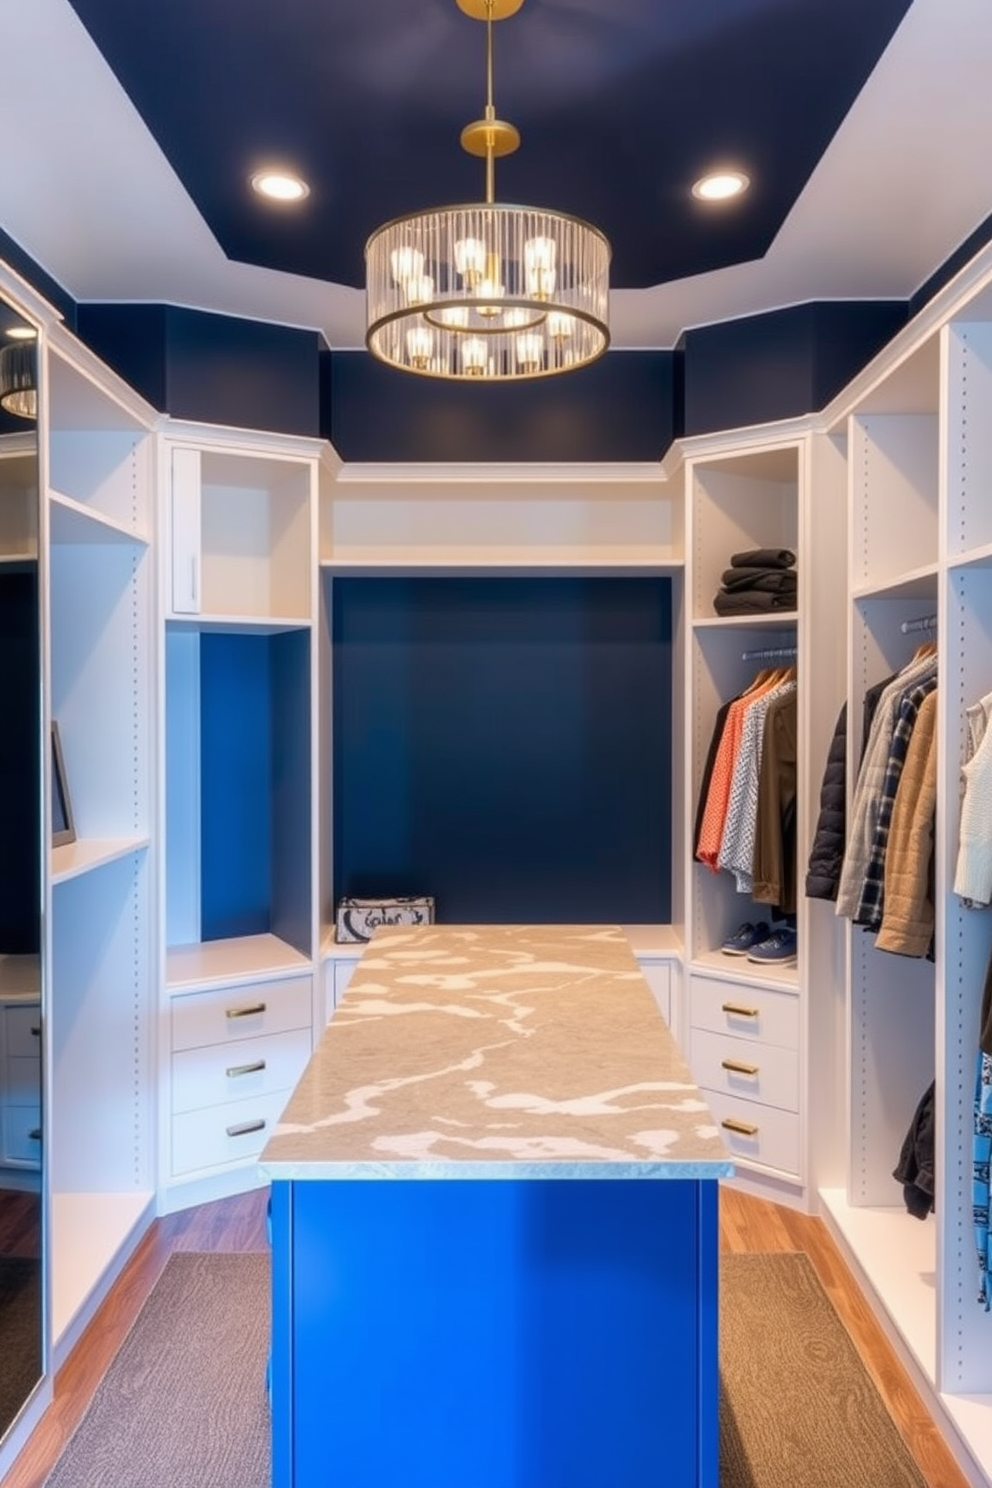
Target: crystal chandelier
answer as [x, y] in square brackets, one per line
[487, 291]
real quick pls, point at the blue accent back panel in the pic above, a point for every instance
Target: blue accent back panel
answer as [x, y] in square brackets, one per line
[292, 807]
[505, 744]
[20, 797]
[474, 1334]
[235, 784]
[620, 408]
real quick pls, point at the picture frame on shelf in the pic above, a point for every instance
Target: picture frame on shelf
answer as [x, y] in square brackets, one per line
[63, 825]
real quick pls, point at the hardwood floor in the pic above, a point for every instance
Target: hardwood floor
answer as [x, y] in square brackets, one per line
[746, 1224]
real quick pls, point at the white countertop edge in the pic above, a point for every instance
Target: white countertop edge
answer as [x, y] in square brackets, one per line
[693, 1169]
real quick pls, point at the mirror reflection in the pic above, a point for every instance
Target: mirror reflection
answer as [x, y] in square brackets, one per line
[21, 1353]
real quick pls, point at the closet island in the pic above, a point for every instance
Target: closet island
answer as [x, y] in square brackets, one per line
[446, 1309]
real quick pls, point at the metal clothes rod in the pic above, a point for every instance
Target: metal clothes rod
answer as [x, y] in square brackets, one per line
[770, 653]
[925, 622]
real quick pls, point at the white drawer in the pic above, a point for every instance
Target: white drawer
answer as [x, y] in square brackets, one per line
[23, 1025]
[757, 1134]
[746, 1068]
[232, 1133]
[226, 1014]
[22, 1135]
[658, 975]
[250, 1067]
[22, 1086]
[745, 1011]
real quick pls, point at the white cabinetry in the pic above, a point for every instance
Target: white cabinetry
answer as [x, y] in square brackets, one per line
[747, 1023]
[237, 1052]
[241, 809]
[20, 1092]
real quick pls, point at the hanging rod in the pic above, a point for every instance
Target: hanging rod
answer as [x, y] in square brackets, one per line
[925, 622]
[769, 653]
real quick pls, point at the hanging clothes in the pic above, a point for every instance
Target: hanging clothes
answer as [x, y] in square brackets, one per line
[982, 1147]
[868, 792]
[740, 826]
[775, 835]
[871, 900]
[973, 871]
[721, 778]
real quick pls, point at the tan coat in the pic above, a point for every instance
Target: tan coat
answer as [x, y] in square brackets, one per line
[907, 920]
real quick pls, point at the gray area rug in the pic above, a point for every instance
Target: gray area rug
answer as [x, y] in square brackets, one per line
[183, 1404]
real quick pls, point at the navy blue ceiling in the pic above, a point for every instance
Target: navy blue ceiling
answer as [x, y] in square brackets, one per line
[622, 104]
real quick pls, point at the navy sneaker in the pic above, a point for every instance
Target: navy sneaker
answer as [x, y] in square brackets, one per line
[779, 949]
[744, 937]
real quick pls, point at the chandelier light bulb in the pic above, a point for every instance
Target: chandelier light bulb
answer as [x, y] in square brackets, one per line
[406, 263]
[420, 346]
[470, 260]
[530, 350]
[475, 355]
[419, 289]
[560, 326]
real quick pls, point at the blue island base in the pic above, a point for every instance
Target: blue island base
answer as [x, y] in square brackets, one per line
[494, 1334]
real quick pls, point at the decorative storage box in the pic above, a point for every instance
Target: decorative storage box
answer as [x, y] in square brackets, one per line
[357, 918]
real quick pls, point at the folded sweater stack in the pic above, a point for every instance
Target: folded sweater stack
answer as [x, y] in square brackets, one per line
[760, 580]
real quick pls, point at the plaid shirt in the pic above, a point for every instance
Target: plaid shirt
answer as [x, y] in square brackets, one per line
[872, 900]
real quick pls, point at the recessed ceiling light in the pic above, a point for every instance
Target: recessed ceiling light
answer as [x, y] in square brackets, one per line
[279, 186]
[20, 333]
[720, 185]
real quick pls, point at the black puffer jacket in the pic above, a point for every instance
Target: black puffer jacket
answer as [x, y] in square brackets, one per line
[827, 852]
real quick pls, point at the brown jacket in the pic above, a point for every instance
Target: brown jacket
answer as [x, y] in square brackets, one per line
[907, 921]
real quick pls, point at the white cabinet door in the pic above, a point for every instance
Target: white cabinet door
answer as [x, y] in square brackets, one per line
[186, 529]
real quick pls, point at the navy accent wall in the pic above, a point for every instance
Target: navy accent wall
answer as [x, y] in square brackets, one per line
[504, 744]
[20, 800]
[620, 408]
[214, 369]
[780, 365]
[292, 806]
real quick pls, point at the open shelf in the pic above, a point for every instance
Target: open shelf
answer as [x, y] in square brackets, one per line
[897, 1255]
[242, 958]
[91, 1231]
[72, 522]
[236, 624]
[87, 853]
[740, 970]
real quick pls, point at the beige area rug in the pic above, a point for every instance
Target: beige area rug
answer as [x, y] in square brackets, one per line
[798, 1409]
[183, 1404]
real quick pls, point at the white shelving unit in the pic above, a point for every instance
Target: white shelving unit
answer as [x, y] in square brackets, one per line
[749, 1025]
[238, 538]
[101, 960]
[917, 423]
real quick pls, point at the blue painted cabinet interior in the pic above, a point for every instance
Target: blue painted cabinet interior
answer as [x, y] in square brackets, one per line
[240, 795]
[487, 1334]
[505, 745]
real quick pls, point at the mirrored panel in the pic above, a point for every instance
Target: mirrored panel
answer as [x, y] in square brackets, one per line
[21, 1043]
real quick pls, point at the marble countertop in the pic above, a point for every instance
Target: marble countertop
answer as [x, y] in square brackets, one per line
[497, 1051]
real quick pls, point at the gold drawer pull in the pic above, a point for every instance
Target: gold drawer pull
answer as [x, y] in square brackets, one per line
[733, 1065]
[242, 1128]
[35, 1134]
[738, 1011]
[742, 1128]
[235, 1070]
[245, 1012]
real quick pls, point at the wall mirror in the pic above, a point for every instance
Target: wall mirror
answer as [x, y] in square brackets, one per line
[22, 1359]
